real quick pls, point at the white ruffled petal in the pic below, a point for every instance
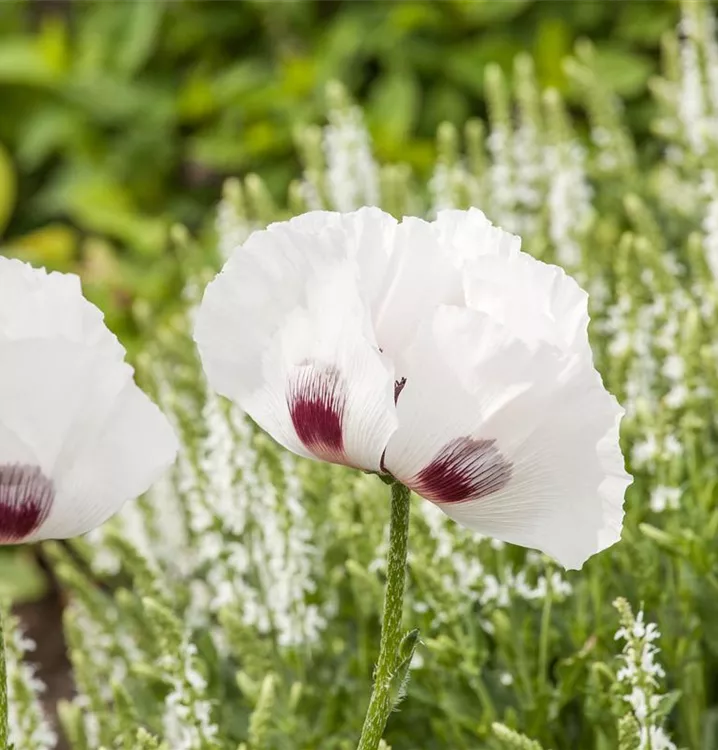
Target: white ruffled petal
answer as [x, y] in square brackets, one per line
[420, 276]
[470, 235]
[538, 302]
[368, 239]
[514, 441]
[51, 388]
[117, 459]
[285, 331]
[37, 304]
[13, 450]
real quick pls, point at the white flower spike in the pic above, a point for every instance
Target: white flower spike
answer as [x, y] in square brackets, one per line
[436, 352]
[77, 437]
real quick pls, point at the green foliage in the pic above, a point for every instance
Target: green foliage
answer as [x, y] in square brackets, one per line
[237, 605]
[20, 579]
[28, 727]
[121, 119]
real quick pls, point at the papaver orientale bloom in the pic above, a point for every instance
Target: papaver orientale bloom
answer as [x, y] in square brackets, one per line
[438, 353]
[77, 437]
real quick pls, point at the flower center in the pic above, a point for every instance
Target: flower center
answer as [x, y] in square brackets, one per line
[398, 388]
[26, 496]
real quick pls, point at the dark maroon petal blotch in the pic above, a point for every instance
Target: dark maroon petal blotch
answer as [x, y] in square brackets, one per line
[26, 496]
[464, 469]
[316, 398]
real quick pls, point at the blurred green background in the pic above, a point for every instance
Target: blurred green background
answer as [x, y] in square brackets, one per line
[120, 118]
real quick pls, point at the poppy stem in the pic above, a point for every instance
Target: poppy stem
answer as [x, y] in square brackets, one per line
[4, 726]
[389, 669]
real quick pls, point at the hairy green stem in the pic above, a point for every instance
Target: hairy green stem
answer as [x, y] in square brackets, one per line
[382, 698]
[4, 726]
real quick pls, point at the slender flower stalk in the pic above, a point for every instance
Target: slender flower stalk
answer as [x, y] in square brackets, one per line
[383, 697]
[4, 708]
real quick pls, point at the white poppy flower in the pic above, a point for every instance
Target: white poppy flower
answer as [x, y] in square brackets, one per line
[77, 437]
[436, 352]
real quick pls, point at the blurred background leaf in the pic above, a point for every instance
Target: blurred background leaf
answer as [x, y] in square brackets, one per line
[120, 119]
[20, 577]
[7, 188]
